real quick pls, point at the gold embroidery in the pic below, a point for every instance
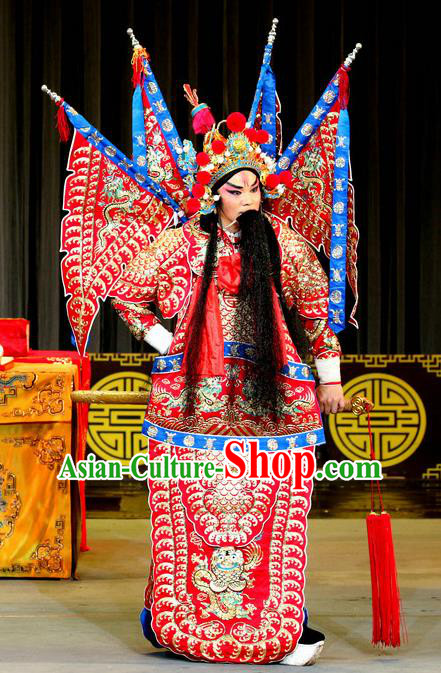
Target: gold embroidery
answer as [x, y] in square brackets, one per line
[47, 556]
[50, 452]
[225, 580]
[232, 511]
[234, 415]
[10, 503]
[10, 384]
[49, 400]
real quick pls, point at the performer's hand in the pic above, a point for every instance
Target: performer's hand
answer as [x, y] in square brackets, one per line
[331, 398]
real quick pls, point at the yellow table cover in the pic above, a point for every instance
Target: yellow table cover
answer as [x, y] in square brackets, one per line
[35, 435]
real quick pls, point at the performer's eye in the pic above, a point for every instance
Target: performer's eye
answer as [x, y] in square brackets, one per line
[235, 193]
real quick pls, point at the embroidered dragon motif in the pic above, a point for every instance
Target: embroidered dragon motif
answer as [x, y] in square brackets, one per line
[121, 202]
[225, 580]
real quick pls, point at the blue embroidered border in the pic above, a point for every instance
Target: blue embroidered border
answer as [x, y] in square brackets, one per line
[269, 112]
[164, 364]
[337, 269]
[193, 440]
[138, 133]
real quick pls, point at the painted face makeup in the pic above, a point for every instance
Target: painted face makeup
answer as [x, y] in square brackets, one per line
[239, 194]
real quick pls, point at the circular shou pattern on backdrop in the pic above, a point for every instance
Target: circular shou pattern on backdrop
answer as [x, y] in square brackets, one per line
[398, 421]
[115, 429]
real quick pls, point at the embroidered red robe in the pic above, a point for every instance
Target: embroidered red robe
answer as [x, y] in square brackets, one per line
[228, 556]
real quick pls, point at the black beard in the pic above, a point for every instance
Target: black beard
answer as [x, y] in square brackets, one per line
[260, 268]
[260, 263]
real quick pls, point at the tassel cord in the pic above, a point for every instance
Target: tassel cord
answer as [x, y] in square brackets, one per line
[372, 450]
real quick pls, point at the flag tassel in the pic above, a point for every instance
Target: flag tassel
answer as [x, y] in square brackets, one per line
[62, 122]
[139, 57]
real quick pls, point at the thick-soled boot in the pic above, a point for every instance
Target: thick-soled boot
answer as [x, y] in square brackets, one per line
[308, 648]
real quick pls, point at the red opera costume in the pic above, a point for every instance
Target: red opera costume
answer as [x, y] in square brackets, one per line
[227, 578]
[255, 614]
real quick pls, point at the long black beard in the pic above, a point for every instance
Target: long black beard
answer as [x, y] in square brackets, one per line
[256, 301]
[260, 269]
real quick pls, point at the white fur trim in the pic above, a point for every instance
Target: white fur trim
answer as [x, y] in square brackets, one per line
[159, 338]
[328, 370]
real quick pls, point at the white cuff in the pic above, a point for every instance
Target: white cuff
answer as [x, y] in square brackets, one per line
[328, 370]
[159, 338]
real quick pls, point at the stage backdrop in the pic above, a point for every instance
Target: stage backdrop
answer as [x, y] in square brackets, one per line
[404, 388]
[81, 50]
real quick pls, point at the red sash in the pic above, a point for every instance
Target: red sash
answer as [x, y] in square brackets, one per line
[211, 356]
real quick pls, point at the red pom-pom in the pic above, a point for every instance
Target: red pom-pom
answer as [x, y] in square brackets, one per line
[202, 158]
[193, 205]
[203, 177]
[218, 146]
[251, 134]
[272, 181]
[236, 121]
[262, 136]
[198, 190]
[286, 178]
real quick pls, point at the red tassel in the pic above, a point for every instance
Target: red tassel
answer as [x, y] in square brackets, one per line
[343, 87]
[145, 100]
[62, 122]
[203, 119]
[387, 617]
[139, 54]
[385, 591]
[137, 72]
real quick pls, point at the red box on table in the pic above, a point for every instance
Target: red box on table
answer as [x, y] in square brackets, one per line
[14, 336]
